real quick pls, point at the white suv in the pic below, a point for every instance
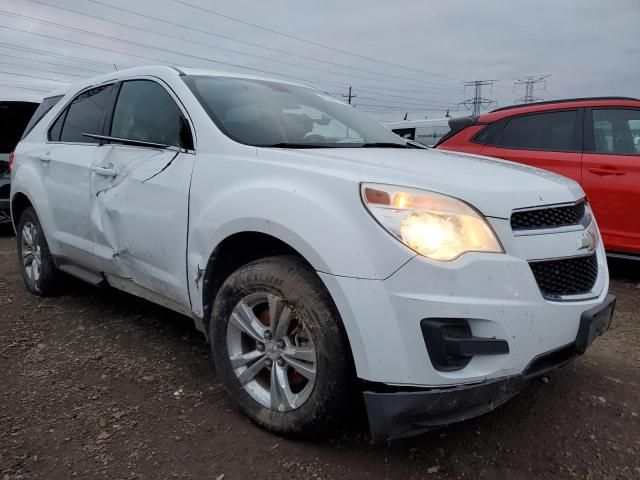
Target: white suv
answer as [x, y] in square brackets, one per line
[319, 253]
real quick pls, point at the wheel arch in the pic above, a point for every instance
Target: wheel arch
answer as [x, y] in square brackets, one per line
[19, 203]
[237, 250]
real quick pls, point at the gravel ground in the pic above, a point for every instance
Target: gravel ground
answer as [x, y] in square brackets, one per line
[100, 384]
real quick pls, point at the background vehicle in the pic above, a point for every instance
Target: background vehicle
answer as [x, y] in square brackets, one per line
[14, 116]
[594, 141]
[426, 132]
[311, 245]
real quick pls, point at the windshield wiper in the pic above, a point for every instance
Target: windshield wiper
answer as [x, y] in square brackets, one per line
[297, 145]
[385, 145]
[341, 145]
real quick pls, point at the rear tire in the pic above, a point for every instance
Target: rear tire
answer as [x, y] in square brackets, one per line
[280, 348]
[36, 263]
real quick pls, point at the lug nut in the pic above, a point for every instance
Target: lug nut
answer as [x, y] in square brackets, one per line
[267, 335]
[280, 362]
[260, 347]
[281, 344]
[269, 362]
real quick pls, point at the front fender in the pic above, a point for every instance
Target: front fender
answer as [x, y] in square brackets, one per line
[329, 227]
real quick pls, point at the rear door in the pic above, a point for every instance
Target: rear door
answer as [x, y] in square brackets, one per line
[549, 140]
[139, 194]
[611, 174]
[65, 167]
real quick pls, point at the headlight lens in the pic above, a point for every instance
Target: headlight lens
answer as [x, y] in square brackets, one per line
[434, 225]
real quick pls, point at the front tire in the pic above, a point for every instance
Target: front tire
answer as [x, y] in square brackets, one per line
[36, 263]
[280, 348]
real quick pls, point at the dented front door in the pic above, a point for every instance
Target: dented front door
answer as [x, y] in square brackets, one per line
[139, 216]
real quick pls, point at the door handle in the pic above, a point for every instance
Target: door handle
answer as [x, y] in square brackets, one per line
[105, 172]
[45, 159]
[605, 171]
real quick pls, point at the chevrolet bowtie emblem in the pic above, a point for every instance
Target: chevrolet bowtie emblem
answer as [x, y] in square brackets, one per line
[587, 241]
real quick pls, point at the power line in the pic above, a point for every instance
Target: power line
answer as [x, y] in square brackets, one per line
[310, 42]
[529, 83]
[53, 55]
[478, 102]
[408, 103]
[368, 106]
[232, 39]
[3, 54]
[166, 35]
[40, 52]
[418, 106]
[165, 62]
[3, 63]
[154, 59]
[22, 87]
[33, 76]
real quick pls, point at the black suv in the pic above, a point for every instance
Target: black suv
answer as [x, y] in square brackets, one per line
[14, 117]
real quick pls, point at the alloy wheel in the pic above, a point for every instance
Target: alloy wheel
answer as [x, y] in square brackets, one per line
[271, 352]
[31, 254]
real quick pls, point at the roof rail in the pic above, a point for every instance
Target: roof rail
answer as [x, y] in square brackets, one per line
[563, 100]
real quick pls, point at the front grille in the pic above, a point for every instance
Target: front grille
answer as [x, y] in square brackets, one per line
[569, 276]
[552, 217]
[4, 168]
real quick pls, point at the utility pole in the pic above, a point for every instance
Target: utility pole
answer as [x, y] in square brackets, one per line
[349, 96]
[478, 102]
[529, 83]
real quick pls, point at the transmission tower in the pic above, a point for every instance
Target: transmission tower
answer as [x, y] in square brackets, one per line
[529, 83]
[478, 102]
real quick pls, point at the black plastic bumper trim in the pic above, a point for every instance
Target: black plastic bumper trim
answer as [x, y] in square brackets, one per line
[472, 346]
[451, 345]
[399, 414]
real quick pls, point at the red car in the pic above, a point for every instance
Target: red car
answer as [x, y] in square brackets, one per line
[595, 141]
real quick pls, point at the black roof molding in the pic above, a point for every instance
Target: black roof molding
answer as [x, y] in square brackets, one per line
[564, 100]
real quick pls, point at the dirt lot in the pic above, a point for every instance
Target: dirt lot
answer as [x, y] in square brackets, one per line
[99, 384]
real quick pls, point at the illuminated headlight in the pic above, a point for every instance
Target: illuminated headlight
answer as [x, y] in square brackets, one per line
[434, 225]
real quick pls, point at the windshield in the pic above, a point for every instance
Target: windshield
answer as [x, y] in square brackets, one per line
[271, 114]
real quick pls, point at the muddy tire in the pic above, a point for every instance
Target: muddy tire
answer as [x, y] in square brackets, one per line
[280, 348]
[36, 263]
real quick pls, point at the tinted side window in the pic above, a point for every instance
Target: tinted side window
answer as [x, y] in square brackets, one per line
[616, 131]
[554, 131]
[145, 111]
[46, 105]
[56, 128]
[486, 135]
[85, 115]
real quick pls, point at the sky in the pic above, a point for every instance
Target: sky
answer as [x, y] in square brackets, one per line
[400, 57]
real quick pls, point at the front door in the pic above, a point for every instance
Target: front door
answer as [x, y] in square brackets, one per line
[140, 194]
[611, 174]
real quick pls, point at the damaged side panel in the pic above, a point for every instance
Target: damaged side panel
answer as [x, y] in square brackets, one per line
[139, 216]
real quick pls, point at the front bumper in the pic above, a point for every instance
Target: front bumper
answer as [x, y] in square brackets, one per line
[405, 413]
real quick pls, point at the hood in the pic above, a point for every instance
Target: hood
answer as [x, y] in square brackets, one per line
[495, 187]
